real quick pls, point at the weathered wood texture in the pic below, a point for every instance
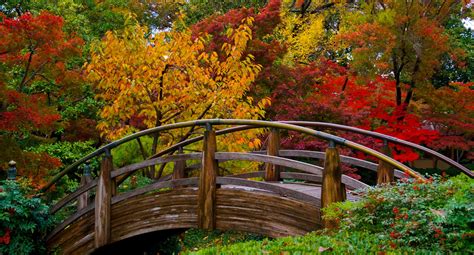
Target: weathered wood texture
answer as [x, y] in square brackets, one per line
[236, 209]
[272, 171]
[332, 188]
[385, 172]
[290, 163]
[72, 196]
[147, 213]
[317, 171]
[274, 188]
[141, 214]
[77, 238]
[179, 168]
[207, 183]
[102, 203]
[83, 200]
[264, 213]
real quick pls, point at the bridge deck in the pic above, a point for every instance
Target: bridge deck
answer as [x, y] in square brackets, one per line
[314, 190]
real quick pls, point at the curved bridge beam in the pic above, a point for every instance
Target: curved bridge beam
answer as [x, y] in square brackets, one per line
[242, 205]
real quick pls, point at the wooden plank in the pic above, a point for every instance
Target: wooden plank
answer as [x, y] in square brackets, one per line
[301, 176]
[272, 171]
[321, 155]
[70, 221]
[269, 187]
[352, 183]
[332, 189]
[155, 161]
[155, 186]
[207, 183]
[72, 196]
[248, 175]
[264, 213]
[103, 203]
[298, 165]
[385, 171]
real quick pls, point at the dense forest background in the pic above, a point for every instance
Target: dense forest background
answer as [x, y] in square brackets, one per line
[75, 74]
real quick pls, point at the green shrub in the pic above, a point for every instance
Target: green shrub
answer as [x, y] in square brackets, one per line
[438, 215]
[130, 153]
[24, 221]
[67, 152]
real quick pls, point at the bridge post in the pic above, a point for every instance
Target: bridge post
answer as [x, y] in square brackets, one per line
[272, 172]
[83, 200]
[179, 167]
[103, 202]
[207, 182]
[385, 172]
[333, 190]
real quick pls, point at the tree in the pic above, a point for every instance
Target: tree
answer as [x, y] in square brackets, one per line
[263, 45]
[307, 27]
[458, 65]
[450, 110]
[404, 40]
[327, 92]
[197, 11]
[169, 77]
[36, 70]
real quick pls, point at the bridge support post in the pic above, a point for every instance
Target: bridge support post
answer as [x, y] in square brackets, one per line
[333, 190]
[83, 200]
[385, 172]
[179, 168]
[272, 172]
[207, 182]
[103, 202]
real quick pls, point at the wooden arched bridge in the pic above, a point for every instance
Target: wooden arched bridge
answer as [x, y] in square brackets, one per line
[273, 207]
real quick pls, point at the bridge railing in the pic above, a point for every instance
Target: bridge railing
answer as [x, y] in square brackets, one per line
[333, 182]
[248, 124]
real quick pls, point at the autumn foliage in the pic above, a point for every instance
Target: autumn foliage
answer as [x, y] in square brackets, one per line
[33, 52]
[368, 64]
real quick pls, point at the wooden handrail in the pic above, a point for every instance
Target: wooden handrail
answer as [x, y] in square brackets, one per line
[225, 156]
[253, 124]
[298, 165]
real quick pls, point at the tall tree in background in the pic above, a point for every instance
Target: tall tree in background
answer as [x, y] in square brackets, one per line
[404, 40]
[264, 46]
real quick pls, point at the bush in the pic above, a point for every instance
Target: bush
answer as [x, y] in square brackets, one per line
[24, 221]
[438, 215]
[67, 152]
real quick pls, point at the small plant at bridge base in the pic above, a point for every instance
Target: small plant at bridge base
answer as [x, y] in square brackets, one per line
[438, 215]
[24, 221]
